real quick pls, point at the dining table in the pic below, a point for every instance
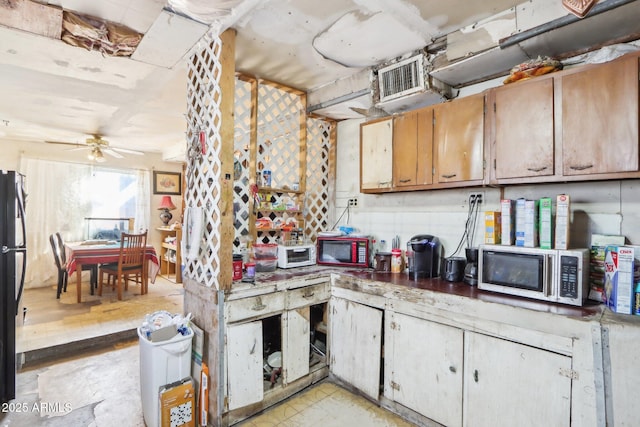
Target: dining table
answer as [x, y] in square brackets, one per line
[92, 252]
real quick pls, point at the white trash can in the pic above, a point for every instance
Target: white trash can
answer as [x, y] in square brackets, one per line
[161, 363]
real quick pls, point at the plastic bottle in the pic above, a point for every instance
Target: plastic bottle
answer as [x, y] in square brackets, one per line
[396, 260]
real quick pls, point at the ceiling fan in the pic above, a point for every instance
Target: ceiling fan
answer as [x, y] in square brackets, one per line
[97, 146]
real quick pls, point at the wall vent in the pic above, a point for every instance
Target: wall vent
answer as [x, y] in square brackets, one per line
[402, 78]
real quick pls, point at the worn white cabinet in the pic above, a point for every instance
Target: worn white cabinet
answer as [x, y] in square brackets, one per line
[424, 367]
[244, 364]
[355, 341]
[288, 313]
[507, 383]
[295, 344]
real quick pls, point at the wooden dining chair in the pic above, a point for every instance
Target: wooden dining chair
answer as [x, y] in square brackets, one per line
[93, 268]
[62, 267]
[131, 264]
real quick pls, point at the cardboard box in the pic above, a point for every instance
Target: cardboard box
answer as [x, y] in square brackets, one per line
[619, 284]
[546, 223]
[178, 404]
[492, 227]
[507, 222]
[527, 223]
[563, 216]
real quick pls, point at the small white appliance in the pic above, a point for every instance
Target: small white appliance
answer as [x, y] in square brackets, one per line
[296, 255]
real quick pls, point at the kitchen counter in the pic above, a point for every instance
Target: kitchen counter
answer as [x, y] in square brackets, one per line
[396, 282]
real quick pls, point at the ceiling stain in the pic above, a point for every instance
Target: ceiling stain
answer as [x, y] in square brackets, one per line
[60, 63]
[91, 69]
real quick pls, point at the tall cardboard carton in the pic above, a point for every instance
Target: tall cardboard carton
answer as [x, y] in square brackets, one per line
[619, 282]
[527, 223]
[546, 223]
[520, 222]
[492, 226]
[562, 221]
[507, 222]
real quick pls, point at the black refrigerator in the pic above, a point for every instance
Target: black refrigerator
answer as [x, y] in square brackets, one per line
[13, 266]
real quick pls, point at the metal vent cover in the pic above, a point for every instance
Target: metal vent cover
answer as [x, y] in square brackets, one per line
[402, 78]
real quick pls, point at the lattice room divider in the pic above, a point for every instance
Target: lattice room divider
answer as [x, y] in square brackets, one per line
[278, 149]
[271, 140]
[204, 170]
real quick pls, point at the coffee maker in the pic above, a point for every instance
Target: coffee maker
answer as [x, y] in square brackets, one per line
[427, 252]
[471, 269]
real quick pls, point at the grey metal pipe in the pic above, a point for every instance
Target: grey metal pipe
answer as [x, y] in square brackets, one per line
[561, 22]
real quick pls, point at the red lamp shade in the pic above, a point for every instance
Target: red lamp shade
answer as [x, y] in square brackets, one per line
[167, 203]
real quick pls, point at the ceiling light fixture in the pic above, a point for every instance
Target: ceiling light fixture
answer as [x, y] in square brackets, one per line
[96, 154]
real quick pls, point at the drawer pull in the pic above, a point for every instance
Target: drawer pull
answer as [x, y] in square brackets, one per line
[581, 168]
[536, 169]
[452, 369]
[449, 176]
[259, 305]
[475, 375]
[308, 294]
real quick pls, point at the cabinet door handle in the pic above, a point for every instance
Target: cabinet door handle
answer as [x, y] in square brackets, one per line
[259, 305]
[475, 375]
[449, 176]
[580, 168]
[537, 169]
[405, 180]
[452, 369]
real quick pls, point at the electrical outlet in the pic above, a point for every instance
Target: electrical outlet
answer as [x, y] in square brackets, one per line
[477, 197]
[353, 202]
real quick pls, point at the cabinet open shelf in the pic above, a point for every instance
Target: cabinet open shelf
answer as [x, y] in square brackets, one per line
[170, 256]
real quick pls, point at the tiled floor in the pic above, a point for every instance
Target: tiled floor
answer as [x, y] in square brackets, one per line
[326, 405]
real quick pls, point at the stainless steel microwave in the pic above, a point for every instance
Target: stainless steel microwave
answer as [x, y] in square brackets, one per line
[545, 274]
[344, 251]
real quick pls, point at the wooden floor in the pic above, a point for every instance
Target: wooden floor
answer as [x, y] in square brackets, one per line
[52, 322]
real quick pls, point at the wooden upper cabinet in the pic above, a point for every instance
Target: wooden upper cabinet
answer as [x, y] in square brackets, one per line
[376, 142]
[459, 140]
[413, 148]
[600, 119]
[524, 130]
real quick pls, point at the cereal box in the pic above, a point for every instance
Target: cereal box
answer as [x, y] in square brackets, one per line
[545, 223]
[619, 278]
[562, 221]
[492, 227]
[507, 222]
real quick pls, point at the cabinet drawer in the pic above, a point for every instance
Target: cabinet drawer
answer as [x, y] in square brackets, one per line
[254, 307]
[308, 295]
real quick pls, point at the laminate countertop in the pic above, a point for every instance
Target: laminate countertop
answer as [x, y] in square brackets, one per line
[394, 283]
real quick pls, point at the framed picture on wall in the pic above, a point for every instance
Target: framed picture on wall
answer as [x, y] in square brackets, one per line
[167, 182]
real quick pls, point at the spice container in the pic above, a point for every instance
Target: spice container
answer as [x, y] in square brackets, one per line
[250, 268]
[237, 267]
[396, 260]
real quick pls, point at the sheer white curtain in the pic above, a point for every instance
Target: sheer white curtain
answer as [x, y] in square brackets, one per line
[59, 198]
[143, 196]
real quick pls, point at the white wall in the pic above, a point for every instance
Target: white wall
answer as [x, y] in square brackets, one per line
[609, 207]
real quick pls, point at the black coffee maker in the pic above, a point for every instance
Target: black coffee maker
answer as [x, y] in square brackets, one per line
[427, 252]
[471, 269]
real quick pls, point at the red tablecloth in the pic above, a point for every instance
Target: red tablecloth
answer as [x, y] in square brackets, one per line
[77, 253]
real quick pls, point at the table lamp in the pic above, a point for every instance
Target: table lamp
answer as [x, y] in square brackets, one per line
[165, 206]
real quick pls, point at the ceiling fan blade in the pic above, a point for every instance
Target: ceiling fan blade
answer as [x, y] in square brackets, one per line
[66, 143]
[112, 153]
[126, 150]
